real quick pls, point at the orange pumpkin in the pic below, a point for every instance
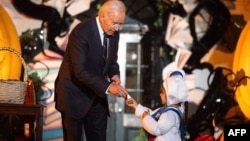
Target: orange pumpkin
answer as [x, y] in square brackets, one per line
[242, 61]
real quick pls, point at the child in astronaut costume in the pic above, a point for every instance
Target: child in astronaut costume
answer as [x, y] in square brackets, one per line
[173, 94]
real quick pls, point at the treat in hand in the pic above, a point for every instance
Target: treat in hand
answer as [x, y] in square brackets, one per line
[129, 99]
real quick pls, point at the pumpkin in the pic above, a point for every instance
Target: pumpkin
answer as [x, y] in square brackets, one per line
[242, 61]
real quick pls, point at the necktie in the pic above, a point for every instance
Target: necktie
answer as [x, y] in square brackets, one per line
[105, 45]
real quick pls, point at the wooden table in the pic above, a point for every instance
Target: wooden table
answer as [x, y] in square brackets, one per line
[26, 109]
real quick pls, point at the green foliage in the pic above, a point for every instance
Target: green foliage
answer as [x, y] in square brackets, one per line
[142, 136]
[35, 77]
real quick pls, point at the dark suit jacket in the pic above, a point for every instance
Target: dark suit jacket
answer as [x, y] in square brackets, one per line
[81, 78]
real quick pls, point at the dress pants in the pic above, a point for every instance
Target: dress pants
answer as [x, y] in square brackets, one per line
[94, 124]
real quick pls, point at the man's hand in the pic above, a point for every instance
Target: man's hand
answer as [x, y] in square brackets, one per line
[116, 80]
[117, 90]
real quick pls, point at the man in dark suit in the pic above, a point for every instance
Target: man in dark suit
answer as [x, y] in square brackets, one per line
[86, 76]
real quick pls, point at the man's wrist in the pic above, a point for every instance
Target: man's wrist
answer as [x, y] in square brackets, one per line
[107, 90]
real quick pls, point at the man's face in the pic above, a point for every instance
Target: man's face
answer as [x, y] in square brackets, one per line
[111, 22]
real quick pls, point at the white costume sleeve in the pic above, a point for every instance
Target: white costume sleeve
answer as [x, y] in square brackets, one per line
[166, 128]
[140, 110]
[165, 123]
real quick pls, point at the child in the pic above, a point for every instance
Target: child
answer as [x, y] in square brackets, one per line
[173, 94]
